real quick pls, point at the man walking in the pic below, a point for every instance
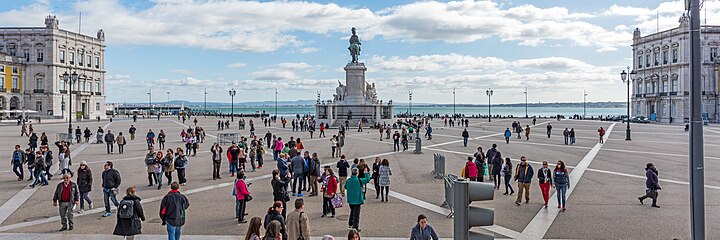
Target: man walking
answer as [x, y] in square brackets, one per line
[110, 183]
[67, 194]
[566, 135]
[396, 141]
[120, 140]
[523, 175]
[110, 141]
[527, 132]
[507, 135]
[342, 166]
[78, 133]
[268, 137]
[297, 164]
[465, 136]
[549, 129]
[18, 158]
[601, 132]
[172, 211]
[355, 197]
[132, 132]
[298, 222]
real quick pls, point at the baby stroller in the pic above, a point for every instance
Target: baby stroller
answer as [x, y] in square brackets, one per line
[99, 138]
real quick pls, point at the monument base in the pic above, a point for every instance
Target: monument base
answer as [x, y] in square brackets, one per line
[337, 114]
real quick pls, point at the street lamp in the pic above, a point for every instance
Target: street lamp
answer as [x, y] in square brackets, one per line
[410, 97]
[149, 101]
[584, 103]
[453, 102]
[232, 104]
[205, 103]
[626, 80]
[71, 79]
[276, 106]
[489, 93]
[526, 103]
[168, 101]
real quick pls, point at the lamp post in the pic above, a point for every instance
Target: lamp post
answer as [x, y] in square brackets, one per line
[526, 103]
[168, 101]
[232, 104]
[696, 150]
[70, 79]
[626, 80]
[489, 93]
[149, 102]
[276, 105]
[584, 103]
[205, 103]
[410, 102]
[453, 102]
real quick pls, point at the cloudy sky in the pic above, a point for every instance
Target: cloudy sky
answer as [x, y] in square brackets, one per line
[555, 48]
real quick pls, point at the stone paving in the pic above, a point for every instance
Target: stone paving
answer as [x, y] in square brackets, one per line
[602, 205]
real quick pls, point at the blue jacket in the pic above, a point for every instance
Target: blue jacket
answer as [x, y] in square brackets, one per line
[524, 173]
[508, 133]
[282, 167]
[425, 234]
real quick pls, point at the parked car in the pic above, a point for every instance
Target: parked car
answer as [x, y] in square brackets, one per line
[638, 119]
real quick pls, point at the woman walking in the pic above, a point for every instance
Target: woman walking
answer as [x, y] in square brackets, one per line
[169, 165]
[652, 185]
[507, 174]
[273, 215]
[279, 187]
[43, 139]
[376, 176]
[129, 220]
[497, 162]
[329, 189]
[158, 171]
[242, 196]
[273, 231]
[363, 168]
[562, 183]
[180, 164]
[423, 230]
[385, 173]
[161, 139]
[84, 182]
[253, 232]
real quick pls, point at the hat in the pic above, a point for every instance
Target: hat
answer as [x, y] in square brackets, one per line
[83, 163]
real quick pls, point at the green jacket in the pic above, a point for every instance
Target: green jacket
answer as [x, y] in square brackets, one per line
[354, 189]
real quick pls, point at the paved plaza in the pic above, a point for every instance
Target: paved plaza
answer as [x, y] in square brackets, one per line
[602, 203]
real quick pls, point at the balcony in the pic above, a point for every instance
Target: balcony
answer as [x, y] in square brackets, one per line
[15, 90]
[98, 93]
[39, 91]
[673, 93]
[663, 94]
[638, 95]
[63, 91]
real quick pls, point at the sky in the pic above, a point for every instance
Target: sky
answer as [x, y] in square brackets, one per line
[556, 49]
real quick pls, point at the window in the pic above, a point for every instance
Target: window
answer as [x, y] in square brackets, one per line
[2, 83]
[647, 87]
[97, 87]
[665, 56]
[675, 55]
[61, 84]
[40, 55]
[713, 54]
[89, 60]
[654, 87]
[62, 56]
[639, 61]
[657, 58]
[2, 69]
[647, 60]
[38, 106]
[674, 85]
[80, 59]
[97, 62]
[97, 106]
[15, 83]
[72, 58]
[39, 83]
[13, 50]
[89, 85]
[82, 85]
[638, 89]
[665, 86]
[26, 54]
[14, 69]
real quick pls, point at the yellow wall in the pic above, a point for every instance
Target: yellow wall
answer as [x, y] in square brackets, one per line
[8, 78]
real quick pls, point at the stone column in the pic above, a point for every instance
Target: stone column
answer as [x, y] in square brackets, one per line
[355, 83]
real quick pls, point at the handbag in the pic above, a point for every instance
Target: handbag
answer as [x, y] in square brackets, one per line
[248, 198]
[337, 201]
[651, 193]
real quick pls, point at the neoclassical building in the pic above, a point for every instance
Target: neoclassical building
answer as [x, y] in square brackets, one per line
[46, 54]
[661, 88]
[11, 84]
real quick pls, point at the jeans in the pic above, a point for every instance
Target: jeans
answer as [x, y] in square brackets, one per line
[110, 147]
[162, 144]
[40, 177]
[107, 196]
[572, 140]
[66, 214]
[507, 184]
[20, 173]
[465, 141]
[173, 232]
[275, 154]
[562, 190]
[298, 178]
[240, 209]
[566, 140]
[354, 219]
[168, 175]
[233, 167]
[327, 206]
[396, 146]
[84, 197]
[181, 175]
[545, 189]
[121, 147]
[507, 140]
[523, 187]
[158, 178]
[216, 169]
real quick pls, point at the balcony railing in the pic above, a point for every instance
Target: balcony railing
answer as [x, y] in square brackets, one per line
[63, 91]
[98, 93]
[15, 90]
[39, 91]
[673, 93]
[3, 89]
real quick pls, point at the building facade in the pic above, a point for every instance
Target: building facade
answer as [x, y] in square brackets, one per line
[47, 54]
[11, 84]
[661, 88]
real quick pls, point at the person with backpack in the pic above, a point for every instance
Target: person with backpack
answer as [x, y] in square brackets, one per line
[109, 141]
[355, 197]
[172, 211]
[273, 215]
[507, 135]
[66, 193]
[506, 173]
[298, 226]
[342, 166]
[313, 174]
[130, 215]
[110, 182]
[470, 170]
[523, 175]
[216, 160]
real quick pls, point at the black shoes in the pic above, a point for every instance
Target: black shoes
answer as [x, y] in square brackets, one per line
[641, 200]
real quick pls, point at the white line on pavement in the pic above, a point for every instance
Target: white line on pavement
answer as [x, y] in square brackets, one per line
[9, 207]
[541, 223]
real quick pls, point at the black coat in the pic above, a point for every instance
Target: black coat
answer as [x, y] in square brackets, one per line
[173, 207]
[84, 180]
[130, 226]
[33, 141]
[274, 215]
[111, 178]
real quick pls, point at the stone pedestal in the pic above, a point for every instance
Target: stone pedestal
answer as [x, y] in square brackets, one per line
[354, 84]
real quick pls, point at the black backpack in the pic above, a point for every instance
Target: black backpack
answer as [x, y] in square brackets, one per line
[125, 209]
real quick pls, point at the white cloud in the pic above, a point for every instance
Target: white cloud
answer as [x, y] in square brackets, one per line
[307, 50]
[188, 81]
[274, 74]
[182, 71]
[294, 65]
[437, 62]
[236, 65]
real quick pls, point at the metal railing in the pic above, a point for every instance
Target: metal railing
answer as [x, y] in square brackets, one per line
[449, 180]
[227, 138]
[438, 165]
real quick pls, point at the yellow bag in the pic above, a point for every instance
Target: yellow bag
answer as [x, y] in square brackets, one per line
[462, 172]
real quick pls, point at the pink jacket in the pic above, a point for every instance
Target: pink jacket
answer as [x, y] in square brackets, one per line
[471, 169]
[279, 145]
[241, 190]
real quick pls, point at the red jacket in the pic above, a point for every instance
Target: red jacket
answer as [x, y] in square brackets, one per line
[471, 169]
[332, 186]
[241, 190]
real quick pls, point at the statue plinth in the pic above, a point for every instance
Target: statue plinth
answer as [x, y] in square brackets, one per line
[355, 85]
